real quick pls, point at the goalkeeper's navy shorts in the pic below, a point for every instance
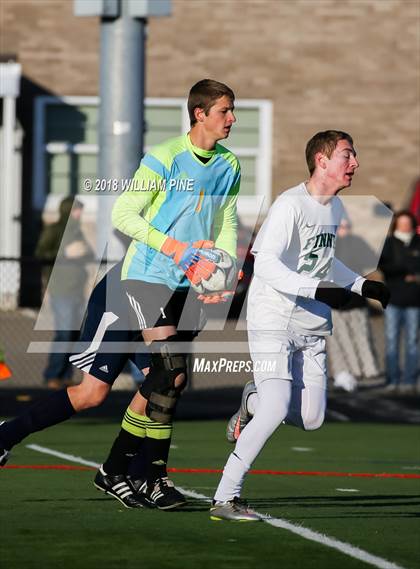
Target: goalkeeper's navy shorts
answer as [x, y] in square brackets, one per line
[153, 305]
[108, 341]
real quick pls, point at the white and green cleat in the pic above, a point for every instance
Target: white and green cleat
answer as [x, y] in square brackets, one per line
[235, 510]
[241, 418]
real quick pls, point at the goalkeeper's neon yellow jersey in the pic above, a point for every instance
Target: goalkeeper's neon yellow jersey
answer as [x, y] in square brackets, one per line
[174, 194]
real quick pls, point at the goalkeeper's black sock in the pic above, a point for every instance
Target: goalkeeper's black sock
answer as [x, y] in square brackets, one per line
[127, 444]
[47, 412]
[156, 449]
[156, 452]
[137, 466]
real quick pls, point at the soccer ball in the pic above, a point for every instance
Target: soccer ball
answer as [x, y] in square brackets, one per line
[223, 277]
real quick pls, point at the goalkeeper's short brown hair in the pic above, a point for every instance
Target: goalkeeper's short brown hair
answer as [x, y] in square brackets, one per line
[204, 94]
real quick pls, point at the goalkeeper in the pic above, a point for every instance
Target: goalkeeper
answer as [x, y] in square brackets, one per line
[181, 203]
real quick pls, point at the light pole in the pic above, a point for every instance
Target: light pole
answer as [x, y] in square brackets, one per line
[122, 81]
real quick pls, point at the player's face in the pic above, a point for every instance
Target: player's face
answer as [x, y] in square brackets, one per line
[342, 164]
[220, 118]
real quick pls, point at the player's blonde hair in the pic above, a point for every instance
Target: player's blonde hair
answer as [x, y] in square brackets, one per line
[204, 94]
[324, 142]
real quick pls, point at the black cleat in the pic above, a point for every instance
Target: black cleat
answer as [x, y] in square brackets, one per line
[164, 494]
[139, 488]
[117, 486]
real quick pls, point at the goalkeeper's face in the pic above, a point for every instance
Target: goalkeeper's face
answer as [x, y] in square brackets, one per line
[219, 119]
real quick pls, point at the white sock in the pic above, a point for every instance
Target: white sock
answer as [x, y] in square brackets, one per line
[274, 399]
[232, 479]
[252, 403]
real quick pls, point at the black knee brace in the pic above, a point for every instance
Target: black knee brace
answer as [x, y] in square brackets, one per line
[159, 386]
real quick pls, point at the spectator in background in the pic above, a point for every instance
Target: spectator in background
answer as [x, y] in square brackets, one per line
[64, 243]
[350, 349]
[400, 264]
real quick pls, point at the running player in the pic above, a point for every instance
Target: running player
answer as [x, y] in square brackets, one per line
[296, 281]
[181, 203]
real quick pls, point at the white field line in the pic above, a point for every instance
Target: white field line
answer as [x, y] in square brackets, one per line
[306, 533]
[340, 546]
[69, 457]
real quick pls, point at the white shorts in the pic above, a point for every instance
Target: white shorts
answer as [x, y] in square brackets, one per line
[285, 355]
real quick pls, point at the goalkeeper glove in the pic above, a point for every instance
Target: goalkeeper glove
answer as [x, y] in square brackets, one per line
[190, 258]
[377, 291]
[331, 294]
[216, 297]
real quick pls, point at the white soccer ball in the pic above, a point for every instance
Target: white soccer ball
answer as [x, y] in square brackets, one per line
[223, 277]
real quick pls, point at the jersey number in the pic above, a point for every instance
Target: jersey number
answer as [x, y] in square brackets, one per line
[311, 260]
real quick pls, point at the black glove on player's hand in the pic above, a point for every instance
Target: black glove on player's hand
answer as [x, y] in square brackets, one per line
[331, 294]
[377, 291]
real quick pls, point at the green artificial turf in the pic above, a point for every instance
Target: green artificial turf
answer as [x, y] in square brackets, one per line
[54, 518]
